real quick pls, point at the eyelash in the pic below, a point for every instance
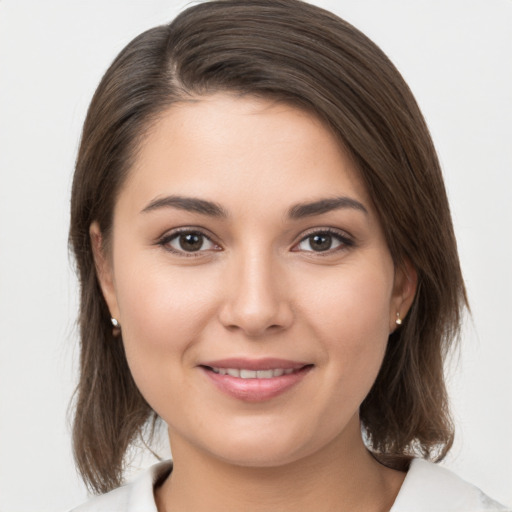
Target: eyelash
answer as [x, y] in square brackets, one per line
[169, 237]
[346, 241]
[343, 238]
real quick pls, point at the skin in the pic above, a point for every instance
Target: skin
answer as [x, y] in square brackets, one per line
[256, 288]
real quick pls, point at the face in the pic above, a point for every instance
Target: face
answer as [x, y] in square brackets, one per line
[251, 279]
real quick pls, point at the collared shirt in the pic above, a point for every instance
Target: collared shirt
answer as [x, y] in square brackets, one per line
[427, 488]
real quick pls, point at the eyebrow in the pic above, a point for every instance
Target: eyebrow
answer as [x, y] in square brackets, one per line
[190, 204]
[213, 209]
[323, 206]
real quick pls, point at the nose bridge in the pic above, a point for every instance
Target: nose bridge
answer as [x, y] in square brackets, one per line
[256, 300]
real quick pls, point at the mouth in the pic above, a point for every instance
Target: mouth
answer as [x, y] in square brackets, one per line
[244, 373]
[255, 381]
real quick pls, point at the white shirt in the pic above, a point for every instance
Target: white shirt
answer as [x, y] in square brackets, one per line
[427, 488]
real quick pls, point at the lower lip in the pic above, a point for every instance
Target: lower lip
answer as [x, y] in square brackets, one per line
[256, 390]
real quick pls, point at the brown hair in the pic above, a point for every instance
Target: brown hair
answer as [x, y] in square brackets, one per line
[294, 52]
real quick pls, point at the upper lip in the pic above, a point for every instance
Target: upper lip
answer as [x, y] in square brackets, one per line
[267, 363]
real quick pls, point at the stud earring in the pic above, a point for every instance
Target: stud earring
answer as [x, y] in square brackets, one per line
[116, 330]
[398, 320]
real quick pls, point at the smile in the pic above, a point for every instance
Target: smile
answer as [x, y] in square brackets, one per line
[253, 374]
[255, 380]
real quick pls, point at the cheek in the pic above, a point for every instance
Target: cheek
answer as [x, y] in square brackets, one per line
[353, 303]
[350, 315]
[163, 311]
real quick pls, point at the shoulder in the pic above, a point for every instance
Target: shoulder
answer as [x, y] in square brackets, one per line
[136, 496]
[429, 487]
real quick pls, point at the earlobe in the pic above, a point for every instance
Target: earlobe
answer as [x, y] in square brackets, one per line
[103, 269]
[406, 283]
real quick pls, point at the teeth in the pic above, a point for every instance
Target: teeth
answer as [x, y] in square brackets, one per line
[253, 374]
[248, 374]
[265, 374]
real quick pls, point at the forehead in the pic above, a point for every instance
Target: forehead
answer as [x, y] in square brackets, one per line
[244, 148]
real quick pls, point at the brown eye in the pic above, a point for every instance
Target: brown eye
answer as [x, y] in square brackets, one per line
[189, 242]
[320, 242]
[323, 241]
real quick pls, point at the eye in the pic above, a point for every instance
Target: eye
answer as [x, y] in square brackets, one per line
[323, 241]
[188, 241]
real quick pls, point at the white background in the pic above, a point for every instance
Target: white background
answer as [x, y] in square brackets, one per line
[457, 57]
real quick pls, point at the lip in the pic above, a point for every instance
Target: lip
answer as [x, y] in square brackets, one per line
[255, 389]
[267, 363]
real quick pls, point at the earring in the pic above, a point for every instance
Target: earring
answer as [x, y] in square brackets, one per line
[116, 330]
[398, 320]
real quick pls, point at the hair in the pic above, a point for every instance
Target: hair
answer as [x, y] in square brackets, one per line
[289, 51]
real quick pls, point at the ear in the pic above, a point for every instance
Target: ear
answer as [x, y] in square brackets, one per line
[404, 291]
[104, 270]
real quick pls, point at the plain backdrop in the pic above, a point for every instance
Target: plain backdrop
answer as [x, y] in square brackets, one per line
[457, 57]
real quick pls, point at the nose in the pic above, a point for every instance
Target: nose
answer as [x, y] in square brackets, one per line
[256, 300]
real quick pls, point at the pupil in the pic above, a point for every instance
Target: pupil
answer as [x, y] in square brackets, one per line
[191, 242]
[321, 242]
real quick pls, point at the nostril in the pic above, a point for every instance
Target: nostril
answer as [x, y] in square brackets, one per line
[255, 314]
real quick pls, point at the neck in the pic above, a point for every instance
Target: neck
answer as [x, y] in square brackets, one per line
[342, 476]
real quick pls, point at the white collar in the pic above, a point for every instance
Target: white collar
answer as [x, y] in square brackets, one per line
[427, 487]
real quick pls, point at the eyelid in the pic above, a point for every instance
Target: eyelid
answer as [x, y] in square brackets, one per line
[346, 239]
[170, 235]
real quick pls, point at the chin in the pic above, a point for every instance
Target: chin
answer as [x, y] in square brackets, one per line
[260, 447]
[259, 457]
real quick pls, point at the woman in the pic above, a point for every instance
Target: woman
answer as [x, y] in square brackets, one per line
[267, 263]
